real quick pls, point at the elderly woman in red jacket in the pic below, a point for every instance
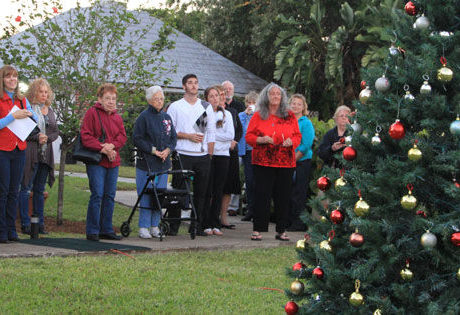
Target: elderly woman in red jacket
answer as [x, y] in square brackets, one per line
[273, 133]
[103, 177]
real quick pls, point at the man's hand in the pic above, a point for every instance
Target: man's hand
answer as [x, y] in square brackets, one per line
[337, 146]
[196, 137]
[233, 144]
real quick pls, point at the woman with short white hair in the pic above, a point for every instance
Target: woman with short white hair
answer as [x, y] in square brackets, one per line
[155, 138]
[334, 140]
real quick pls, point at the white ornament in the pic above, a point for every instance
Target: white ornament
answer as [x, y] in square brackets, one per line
[428, 240]
[382, 84]
[421, 23]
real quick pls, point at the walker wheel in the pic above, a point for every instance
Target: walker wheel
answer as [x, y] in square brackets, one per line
[164, 227]
[192, 230]
[124, 229]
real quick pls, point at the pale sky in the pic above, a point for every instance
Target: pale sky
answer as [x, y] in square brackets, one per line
[10, 7]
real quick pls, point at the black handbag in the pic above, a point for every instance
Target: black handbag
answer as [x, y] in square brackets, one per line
[85, 155]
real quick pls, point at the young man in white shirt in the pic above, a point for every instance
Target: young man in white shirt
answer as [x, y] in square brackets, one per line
[195, 145]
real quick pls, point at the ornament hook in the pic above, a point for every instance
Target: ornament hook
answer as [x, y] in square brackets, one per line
[410, 187]
[378, 129]
[357, 285]
[425, 77]
[331, 235]
[406, 87]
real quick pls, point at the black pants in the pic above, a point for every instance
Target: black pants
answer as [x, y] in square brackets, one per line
[201, 166]
[299, 191]
[276, 183]
[215, 191]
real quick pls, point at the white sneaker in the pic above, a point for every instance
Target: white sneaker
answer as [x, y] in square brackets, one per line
[216, 231]
[208, 231]
[144, 233]
[155, 231]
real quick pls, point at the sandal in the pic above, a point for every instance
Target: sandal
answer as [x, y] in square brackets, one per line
[255, 236]
[282, 237]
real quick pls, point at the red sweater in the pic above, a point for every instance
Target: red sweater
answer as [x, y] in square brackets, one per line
[273, 155]
[114, 130]
[8, 140]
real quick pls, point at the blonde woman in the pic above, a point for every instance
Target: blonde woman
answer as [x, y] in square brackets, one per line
[39, 165]
[303, 154]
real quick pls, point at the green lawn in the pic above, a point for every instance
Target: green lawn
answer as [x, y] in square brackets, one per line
[205, 282]
[124, 171]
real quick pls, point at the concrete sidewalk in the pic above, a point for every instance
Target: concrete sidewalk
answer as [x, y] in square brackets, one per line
[232, 239]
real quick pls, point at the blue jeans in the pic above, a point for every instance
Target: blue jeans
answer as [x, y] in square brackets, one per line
[148, 214]
[103, 186]
[11, 169]
[37, 185]
[249, 178]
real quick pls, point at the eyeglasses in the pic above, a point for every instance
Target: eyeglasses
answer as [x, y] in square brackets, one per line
[108, 99]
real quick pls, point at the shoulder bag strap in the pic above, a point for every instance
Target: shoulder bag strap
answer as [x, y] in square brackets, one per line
[102, 126]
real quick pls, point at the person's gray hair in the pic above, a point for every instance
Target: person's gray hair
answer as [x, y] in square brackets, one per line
[151, 91]
[228, 82]
[340, 109]
[263, 102]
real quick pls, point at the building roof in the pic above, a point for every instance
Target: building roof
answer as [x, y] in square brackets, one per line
[188, 55]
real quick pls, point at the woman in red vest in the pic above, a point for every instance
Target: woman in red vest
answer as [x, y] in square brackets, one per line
[12, 155]
[273, 133]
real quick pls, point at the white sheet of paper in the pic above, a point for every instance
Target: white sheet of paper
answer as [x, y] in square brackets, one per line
[21, 127]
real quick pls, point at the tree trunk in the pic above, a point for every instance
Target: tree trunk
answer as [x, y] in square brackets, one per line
[60, 199]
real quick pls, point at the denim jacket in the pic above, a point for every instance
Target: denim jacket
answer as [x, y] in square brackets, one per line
[242, 145]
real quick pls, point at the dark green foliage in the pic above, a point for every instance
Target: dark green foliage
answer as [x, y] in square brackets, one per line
[381, 172]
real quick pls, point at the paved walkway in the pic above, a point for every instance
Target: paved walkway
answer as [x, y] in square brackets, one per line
[232, 239]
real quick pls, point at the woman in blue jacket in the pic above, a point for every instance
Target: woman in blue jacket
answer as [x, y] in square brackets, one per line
[304, 152]
[155, 138]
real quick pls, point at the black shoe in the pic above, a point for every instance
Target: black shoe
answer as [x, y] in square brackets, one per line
[13, 239]
[41, 230]
[247, 217]
[232, 213]
[299, 227]
[201, 233]
[25, 229]
[110, 236]
[92, 237]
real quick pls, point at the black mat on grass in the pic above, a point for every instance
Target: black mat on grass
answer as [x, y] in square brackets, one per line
[81, 244]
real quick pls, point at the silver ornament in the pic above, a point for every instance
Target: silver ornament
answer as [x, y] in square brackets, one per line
[348, 140]
[393, 50]
[376, 139]
[421, 23]
[409, 97]
[382, 84]
[356, 127]
[455, 127]
[425, 88]
[428, 240]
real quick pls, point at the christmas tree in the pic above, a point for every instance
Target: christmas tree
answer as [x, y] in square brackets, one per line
[388, 237]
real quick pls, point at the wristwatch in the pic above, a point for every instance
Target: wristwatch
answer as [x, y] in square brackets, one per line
[154, 149]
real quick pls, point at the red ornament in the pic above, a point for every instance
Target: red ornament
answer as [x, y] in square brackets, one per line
[456, 183]
[421, 213]
[298, 266]
[397, 130]
[18, 19]
[323, 183]
[291, 308]
[55, 10]
[410, 8]
[455, 239]
[363, 84]
[342, 140]
[336, 216]
[349, 153]
[318, 272]
[356, 239]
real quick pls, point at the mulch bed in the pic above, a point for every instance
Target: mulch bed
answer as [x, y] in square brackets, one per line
[76, 227]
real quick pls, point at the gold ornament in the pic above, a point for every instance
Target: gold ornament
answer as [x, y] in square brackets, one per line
[361, 207]
[325, 245]
[297, 287]
[414, 154]
[406, 274]
[323, 219]
[377, 312]
[300, 244]
[458, 274]
[409, 202]
[376, 139]
[340, 182]
[356, 299]
[425, 88]
[445, 74]
[364, 95]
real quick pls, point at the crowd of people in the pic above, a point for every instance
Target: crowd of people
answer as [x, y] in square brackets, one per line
[270, 135]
